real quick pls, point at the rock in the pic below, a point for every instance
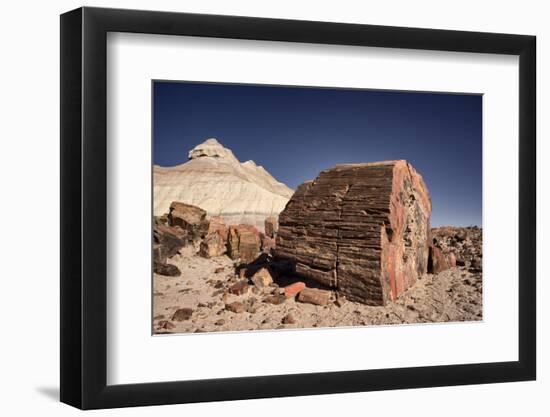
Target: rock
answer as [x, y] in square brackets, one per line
[275, 299]
[243, 243]
[212, 246]
[262, 278]
[217, 225]
[450, 258]
[167, 325]
[362, 229]
[220, 322]
[340, 300]
[293, 289]
[436, 262]
[182, 314]
[271, 225]
[236, 307]
[168, 270]
[191, 219]
[219, 270]
[216, 181]
[170, 239]
[267, 243]
[239, 288]
[289, 319]
[476, 265]
[314, 296]
[464, 243]
[158, 254]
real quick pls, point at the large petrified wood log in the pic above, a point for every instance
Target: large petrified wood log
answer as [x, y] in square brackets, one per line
[362, 229]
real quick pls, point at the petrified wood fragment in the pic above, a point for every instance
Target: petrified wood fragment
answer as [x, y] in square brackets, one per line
[243, 242]
[362, 229]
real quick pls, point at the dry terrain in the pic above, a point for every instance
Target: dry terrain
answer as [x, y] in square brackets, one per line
[203, 287]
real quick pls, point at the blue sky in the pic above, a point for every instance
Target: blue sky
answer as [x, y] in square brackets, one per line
[296, 132]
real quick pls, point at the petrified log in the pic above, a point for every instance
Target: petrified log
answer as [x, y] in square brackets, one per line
[437, 261]
[362, 229]
[271, 225]
[217, 224]
[191, 219]
[243, 243]
[212, 246]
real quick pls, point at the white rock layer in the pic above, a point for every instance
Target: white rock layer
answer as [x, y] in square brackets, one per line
[216, 181]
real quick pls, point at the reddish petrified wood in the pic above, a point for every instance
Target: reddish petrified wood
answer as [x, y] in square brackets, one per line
[362, 229]
[243, 242]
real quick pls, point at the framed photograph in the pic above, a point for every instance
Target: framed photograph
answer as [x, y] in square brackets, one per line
[258, 208]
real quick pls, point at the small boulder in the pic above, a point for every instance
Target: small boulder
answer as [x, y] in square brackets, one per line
[236, 307]
[271, 226]
[262, 278]
[212, 246]
[217, 225]
[168, 270]
[293, 289]
[191, 219]
[436, 261]
[171, 239]
[314, 296]
[289, 319]
[275, 299]
[182, 314]
[267, 243]
[165, 324]
[158, 253]
[239, 288]
[451, 259]
[243, 243]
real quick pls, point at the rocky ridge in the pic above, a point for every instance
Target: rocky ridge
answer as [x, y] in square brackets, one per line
[214, 180]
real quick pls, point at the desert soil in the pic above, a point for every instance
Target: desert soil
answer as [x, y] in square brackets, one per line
[201, 294]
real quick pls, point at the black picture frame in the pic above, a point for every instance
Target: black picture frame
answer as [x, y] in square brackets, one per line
[84, 207]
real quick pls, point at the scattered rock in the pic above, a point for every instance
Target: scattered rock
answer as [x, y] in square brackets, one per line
[167, 325]
[476, 265]
[262, 278]
[166, 269]
[340, 300]
[220, 322]
[243, 243]
[236, 307]
[437, 262]
[171, 239]
[158, 254]
[217, 225]
[314, 296]
[451, 259]
[289, 319]
[275, 299]
[293, 289]
[191, 219]
[239, 288]
[267, 243]
[362, 229]
[219, 270]
[271, 226]
[182, 314]
[212, 246]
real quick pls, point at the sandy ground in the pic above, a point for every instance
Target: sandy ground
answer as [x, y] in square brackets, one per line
[452, 295]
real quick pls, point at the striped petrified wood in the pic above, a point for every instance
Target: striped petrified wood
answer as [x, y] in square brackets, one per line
[362, 229]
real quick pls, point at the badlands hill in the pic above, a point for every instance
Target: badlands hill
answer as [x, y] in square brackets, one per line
[215, 180]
